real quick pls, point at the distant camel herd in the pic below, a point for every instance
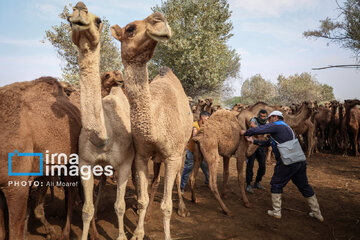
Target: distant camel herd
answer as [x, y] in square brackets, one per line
[125, 121]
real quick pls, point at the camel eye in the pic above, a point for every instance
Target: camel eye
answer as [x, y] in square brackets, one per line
[130, 29]
[98, 20]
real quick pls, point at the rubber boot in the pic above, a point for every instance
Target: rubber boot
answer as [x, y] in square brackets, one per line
[315, 208]
[276, 204]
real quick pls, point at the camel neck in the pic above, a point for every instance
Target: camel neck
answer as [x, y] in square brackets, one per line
[303, 114]
[92, 113]
[138, 93]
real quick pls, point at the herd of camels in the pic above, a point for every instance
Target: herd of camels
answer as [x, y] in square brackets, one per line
[125, 121]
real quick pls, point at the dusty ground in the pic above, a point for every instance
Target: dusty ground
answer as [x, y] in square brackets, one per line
[335, 179]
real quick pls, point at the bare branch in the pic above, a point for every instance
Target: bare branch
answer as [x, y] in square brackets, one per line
[339, 66]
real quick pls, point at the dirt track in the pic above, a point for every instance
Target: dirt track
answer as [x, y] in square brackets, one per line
[335, 179]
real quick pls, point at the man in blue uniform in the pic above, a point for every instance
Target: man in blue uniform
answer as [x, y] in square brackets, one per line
[296, 172]
[259, 154]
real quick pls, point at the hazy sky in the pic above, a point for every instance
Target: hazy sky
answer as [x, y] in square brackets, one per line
[267, 34]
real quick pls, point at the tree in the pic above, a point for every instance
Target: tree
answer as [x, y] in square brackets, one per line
[198, 52]
[60, 37]
[345, 30]
[257, 89]
[327, 93]
[301, 87]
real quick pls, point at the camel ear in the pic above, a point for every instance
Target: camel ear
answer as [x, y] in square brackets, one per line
[116, 32]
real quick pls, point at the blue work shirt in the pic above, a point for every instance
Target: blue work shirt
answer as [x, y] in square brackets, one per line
[278, 130]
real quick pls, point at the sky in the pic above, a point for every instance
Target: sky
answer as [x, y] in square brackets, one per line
[267, 35]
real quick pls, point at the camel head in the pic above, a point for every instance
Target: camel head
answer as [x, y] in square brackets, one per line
[85, 27]
[334, 104]
[68, 88]
[209, 101]
[201, 103]
[139, 38]
[110, 80]
[351, 103]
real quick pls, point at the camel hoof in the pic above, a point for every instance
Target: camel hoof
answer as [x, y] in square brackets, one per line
[183, 212]
[137, 237]
[247, 205]
[229, 213]
[194, 200]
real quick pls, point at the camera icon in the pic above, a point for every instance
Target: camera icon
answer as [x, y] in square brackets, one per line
[15, 153]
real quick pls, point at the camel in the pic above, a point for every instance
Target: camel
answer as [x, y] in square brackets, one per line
[152, 114]
[322, 122]
[208, 106]
[106, 134]
[334, 125]
[198, 108]
[35, 116]
[220, 136]
[352, 122]
[302, 123]
[109, 80]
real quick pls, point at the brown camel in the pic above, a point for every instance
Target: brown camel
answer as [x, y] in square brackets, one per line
[352, 122]
[200, 106]
[109, 80]
[106, 134]
[220, 136]
[334, 125]
[302, 123]
[35, 116]
[152, 114]
[322, 123]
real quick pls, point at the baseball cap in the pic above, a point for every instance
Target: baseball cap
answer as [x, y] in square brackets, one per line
[276, 113]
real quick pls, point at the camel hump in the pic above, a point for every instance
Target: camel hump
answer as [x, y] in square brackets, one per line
[164, 70]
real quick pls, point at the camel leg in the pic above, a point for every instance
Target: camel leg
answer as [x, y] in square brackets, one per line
[356, 143]
[123, 175]
[70, 200]
[213, 185]
[310, 137]
[192, 179]
[88, 208]
[16, 200]
[226, 161]
[40, 213]
[172, 167]
[154, 186]
[2, 218]
[143, 197]
[182, 210]
[94, 234]
[268, 155]
[134, 179]
[240, 158]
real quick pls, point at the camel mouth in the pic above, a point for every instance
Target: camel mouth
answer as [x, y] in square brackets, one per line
[160, 38]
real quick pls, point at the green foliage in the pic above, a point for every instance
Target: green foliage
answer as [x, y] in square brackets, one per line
[257, 89]
[344, 30]
[60, 37]
[292, 89]
[198, 52]
[300, 87]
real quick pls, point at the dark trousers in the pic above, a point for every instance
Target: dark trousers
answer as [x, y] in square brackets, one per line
[295, 172]
[261, 158]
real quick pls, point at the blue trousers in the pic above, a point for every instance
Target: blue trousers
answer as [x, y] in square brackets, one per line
[295, 172]
[188, 167]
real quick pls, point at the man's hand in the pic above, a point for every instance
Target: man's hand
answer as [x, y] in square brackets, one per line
[249, 139]
[242, 132]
